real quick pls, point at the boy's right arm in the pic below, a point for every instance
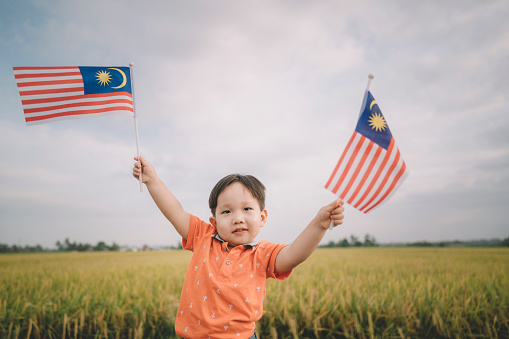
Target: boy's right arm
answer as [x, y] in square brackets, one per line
[164, 199]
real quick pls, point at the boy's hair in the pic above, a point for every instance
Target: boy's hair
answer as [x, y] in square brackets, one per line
[254, 186]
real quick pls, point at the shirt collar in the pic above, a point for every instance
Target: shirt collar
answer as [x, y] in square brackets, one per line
[252, 244]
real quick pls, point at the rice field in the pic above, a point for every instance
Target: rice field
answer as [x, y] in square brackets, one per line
[336, 293]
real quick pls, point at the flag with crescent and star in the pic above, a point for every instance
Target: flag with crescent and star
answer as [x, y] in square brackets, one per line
[371, 168]
[56, 93]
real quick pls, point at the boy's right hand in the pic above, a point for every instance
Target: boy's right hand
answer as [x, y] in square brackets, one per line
[149, 172]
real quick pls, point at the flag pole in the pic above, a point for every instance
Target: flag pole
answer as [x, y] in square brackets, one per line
[131, 67]
[370, 77]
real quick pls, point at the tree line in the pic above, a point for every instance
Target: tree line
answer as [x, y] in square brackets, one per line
[353, 241]
[65, 246]
[68, 246]
[369, 241]
[468, 243]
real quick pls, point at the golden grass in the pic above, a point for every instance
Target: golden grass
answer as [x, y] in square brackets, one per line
[394, 292]
[337, 293]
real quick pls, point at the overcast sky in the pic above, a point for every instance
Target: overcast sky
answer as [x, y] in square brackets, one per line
[269, 88]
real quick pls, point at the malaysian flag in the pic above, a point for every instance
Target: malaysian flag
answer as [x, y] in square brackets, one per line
[371, 168]
[56, 93]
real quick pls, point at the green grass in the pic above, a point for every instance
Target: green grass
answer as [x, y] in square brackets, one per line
[336, 293]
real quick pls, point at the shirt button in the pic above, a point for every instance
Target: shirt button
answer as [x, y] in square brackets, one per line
[227, 262]
[224, 248]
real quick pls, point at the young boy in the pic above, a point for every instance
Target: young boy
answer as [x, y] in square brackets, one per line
[224, 288]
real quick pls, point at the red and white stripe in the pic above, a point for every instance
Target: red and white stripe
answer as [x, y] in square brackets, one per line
[367, 175]
[56, 93]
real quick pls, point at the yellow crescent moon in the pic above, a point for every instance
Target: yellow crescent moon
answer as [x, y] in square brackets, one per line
[124, 78]
[370, 106]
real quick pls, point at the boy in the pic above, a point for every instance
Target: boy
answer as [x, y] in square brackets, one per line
[223, 291]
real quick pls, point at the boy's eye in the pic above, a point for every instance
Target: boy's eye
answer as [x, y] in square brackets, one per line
[225, 212]
[247, 208]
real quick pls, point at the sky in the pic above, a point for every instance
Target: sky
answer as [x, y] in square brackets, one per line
[268, 88]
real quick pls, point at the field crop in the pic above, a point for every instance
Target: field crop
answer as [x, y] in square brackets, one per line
[336, 293]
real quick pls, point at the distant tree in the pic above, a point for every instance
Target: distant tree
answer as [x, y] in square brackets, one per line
[4, 248]
[457, 243]
[101, 246]
[344, 243]
[369, 240]
[330, 244]
[32, 249]
[421, 244]
[83, 247]
[505, 242]
[67, 245]
[354, 241]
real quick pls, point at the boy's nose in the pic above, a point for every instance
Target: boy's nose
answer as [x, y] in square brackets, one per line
[238, 218]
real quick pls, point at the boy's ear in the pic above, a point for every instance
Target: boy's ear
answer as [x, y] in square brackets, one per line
[263, 217]
[212, 221]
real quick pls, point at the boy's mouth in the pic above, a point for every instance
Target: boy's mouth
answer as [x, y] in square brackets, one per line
[240, 230]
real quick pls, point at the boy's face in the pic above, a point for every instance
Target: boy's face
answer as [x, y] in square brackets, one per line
[238, 216]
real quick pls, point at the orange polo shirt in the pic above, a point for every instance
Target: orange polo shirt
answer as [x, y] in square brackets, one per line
[223, 292]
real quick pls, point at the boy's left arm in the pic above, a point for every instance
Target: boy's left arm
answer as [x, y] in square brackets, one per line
[291, 256]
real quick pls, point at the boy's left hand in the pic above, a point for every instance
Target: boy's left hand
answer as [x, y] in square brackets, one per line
[332, 212]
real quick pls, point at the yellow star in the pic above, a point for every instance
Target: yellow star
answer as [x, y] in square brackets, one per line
[377, 122]
[103, 78]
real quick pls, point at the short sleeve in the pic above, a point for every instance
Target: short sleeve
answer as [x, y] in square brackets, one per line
[271, 268]
[197, 228]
